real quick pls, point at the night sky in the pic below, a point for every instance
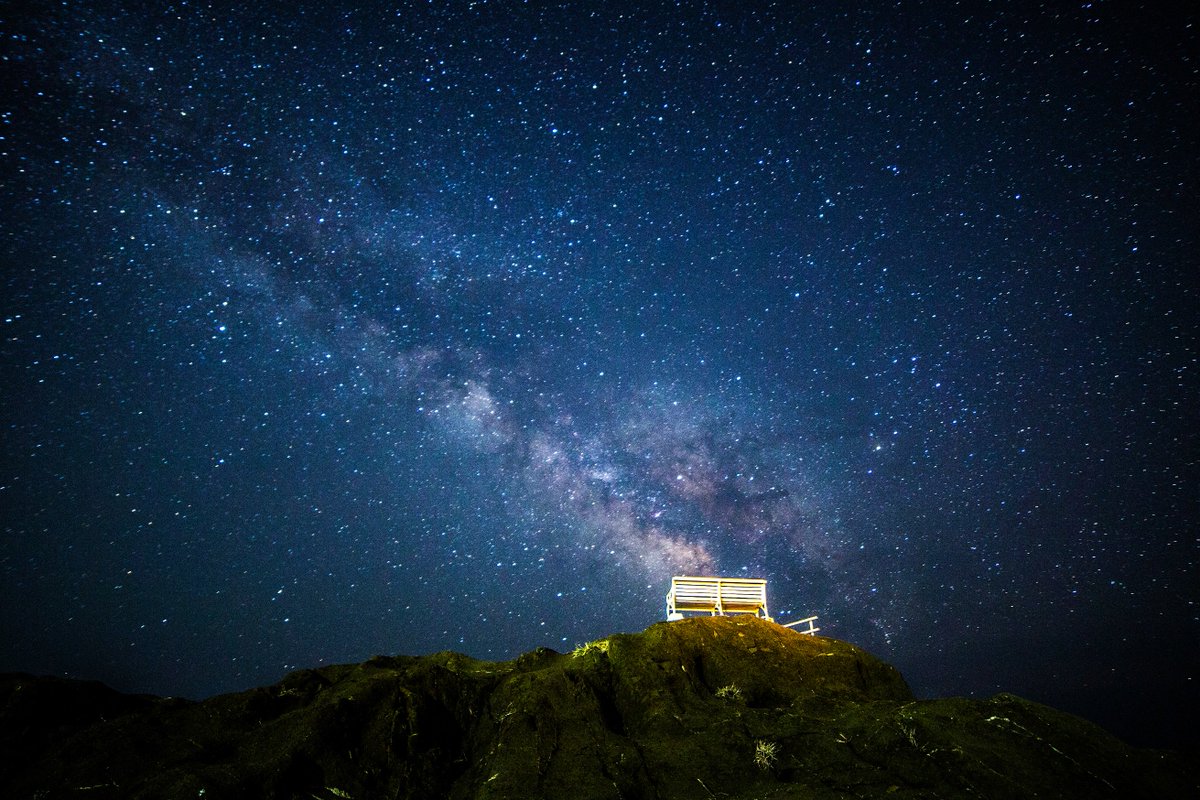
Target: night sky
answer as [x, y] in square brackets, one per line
[465, 325]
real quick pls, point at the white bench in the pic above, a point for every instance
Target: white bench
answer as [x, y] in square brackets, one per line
[717, 596]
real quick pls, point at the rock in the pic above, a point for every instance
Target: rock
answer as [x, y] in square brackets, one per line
[724, 707]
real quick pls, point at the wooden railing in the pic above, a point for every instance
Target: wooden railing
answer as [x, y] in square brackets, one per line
[810, 622]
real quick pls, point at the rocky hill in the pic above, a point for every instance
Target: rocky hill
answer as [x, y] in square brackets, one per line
[702, 708]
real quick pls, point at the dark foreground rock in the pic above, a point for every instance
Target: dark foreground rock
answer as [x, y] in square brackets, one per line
[703, 708]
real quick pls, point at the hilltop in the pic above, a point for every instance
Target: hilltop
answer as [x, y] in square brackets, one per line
[721, 707]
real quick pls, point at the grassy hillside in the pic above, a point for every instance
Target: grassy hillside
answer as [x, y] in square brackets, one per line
[703, 708]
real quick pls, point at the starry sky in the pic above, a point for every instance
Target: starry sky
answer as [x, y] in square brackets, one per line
[331, 331]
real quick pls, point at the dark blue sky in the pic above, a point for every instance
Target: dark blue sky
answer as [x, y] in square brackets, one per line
[466, 325]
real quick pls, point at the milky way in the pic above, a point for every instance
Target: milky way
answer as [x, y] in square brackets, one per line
[466, 325]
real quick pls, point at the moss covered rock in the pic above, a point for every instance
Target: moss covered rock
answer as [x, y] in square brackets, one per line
[729, 707]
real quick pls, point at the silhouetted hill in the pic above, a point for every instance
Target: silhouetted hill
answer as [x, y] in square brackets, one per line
[702, 708]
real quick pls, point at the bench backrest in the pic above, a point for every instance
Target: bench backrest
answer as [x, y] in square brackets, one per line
[717, 595]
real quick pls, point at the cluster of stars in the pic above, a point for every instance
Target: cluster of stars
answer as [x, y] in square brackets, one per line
[467, 325]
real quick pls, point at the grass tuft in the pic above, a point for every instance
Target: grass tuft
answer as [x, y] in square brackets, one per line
[732, 693]
[598, 646]
[765, 754]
